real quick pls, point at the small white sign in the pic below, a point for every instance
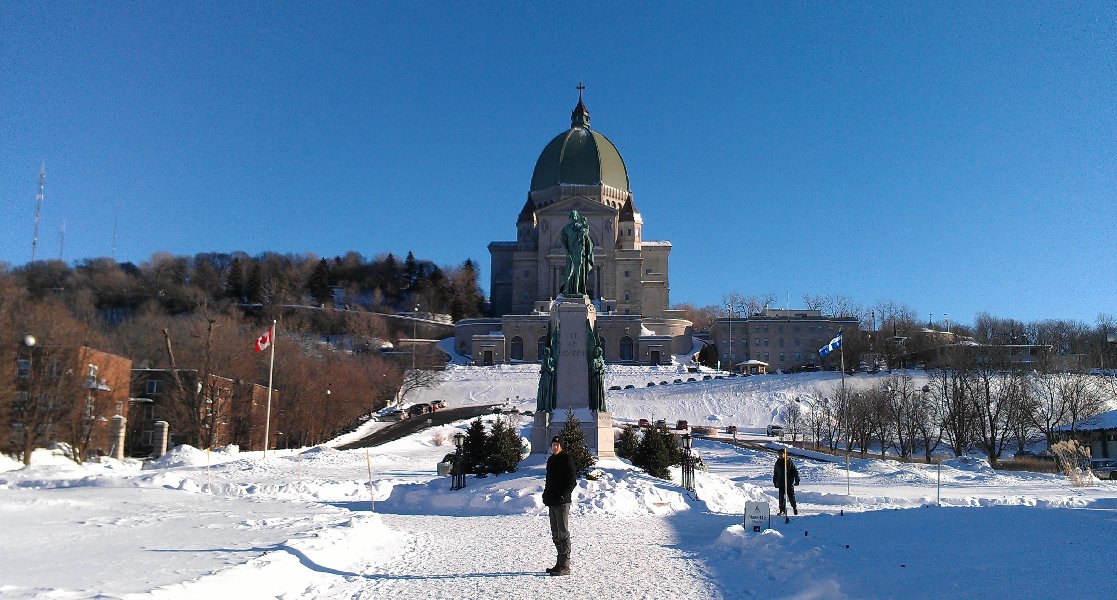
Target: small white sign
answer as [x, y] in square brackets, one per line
[758, 516]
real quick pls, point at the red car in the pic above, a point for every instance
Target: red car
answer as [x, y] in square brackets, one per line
[681, 425]
[644, 423]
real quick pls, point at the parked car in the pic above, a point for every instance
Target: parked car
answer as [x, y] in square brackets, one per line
[614, 387]
[630, 387]
[731, 430]
[663, 383]
[419, 409]
[774, 430]
[677, 381]
[651, 384]
[661, 423]
[1104, 468]
[681, 425]
[439, 404]
[392, 415]
[644, 423]
[707, 377]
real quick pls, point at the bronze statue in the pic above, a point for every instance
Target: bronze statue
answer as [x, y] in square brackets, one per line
[545, 397]
[597, 381]
[578, 244]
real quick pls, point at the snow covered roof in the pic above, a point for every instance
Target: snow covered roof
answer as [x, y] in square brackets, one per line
[1105, 420]
[753, 363]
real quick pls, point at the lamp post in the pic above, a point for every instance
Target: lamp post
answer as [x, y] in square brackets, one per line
[457, 474]
[688, 465]
[414, 334]
[729, 314]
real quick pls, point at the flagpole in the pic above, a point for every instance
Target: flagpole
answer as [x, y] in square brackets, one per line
[271, 371]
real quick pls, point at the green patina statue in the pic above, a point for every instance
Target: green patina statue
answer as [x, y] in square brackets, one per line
[578, 244]
[596, 359]
[547, 393]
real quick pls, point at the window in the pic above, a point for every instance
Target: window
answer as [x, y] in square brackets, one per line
[153, 386]
[626, 296]
[780, 329]
[781, 357]
[765, 342]
[798, 357]
[626, 348]
[626, 273]
[54, 369]
[647, 271]
[23, 368]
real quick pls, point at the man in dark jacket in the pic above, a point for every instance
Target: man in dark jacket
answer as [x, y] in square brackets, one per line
[561, 481]
[785, 477]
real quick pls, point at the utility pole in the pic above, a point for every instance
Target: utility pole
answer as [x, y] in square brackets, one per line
[38, 208]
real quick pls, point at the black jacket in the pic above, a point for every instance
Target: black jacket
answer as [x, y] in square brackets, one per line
[561, 479]
[777, 473]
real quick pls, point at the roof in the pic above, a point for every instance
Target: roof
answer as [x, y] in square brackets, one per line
[1105, 420]
[579, 156]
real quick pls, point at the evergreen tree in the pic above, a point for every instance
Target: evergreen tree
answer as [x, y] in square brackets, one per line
[627, 443]
[574, 442]
[656, 452]
[410, 271]
[254, 289]
[319, 283]
[234, 283]
[504, 448]
[474, 446]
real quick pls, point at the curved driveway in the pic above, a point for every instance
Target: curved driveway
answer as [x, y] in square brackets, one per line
[406, 427]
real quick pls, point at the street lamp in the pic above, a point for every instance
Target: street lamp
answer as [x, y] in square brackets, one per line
[414, 334]
[688, 465]
[457, 480]
[729, 313]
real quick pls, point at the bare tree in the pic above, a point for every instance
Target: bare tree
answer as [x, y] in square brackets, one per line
[417, 379]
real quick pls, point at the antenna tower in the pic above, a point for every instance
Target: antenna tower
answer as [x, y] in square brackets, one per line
[38, 208]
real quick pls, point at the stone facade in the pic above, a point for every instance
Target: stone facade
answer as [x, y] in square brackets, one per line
[629, 284]
[782, 338]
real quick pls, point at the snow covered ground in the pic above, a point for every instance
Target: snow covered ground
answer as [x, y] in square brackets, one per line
[311, 523]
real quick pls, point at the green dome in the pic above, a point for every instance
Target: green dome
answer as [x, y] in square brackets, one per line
[579, 156]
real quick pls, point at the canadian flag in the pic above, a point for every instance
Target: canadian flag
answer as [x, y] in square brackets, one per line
[263, 341]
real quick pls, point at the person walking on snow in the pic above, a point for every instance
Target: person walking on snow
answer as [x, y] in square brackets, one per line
[785, 477]
[561, 481]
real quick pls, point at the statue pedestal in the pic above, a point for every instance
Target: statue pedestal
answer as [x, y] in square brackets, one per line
[571, 315]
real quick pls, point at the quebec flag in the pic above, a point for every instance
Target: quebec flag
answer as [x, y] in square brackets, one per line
[832, 346]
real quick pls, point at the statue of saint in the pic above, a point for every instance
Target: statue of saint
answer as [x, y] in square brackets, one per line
[576, 241]
[597, 381]
[545, 397]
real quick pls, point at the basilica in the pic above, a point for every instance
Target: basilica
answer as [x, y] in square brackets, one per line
[579, 169]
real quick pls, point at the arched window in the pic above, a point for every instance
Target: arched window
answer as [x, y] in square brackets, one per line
[542, 346]
[516, 352]
[626, 348]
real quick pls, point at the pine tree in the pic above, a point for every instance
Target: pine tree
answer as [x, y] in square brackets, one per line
[410, 271]
[627, 443]
[474, 447]
[234, 283]
[504, 448]
[254, 289]
[574, 442]
[319, 283]
[657, 452]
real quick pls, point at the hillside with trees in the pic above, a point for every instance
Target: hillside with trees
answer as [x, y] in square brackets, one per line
[206, 311]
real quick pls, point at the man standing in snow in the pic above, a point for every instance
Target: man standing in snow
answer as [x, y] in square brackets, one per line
[561, 481]
[785, 477]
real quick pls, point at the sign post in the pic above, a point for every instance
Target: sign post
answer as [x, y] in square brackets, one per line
[758, 516]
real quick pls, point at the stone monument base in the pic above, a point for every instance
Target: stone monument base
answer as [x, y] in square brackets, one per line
[597, 427]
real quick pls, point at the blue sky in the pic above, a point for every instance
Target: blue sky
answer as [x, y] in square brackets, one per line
[956, 157]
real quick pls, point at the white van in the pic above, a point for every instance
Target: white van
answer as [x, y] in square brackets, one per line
[775, 430]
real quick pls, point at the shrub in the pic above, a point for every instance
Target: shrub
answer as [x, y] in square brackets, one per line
[657, 452]
[574, 442]
[627, 443]
[1074, 459]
